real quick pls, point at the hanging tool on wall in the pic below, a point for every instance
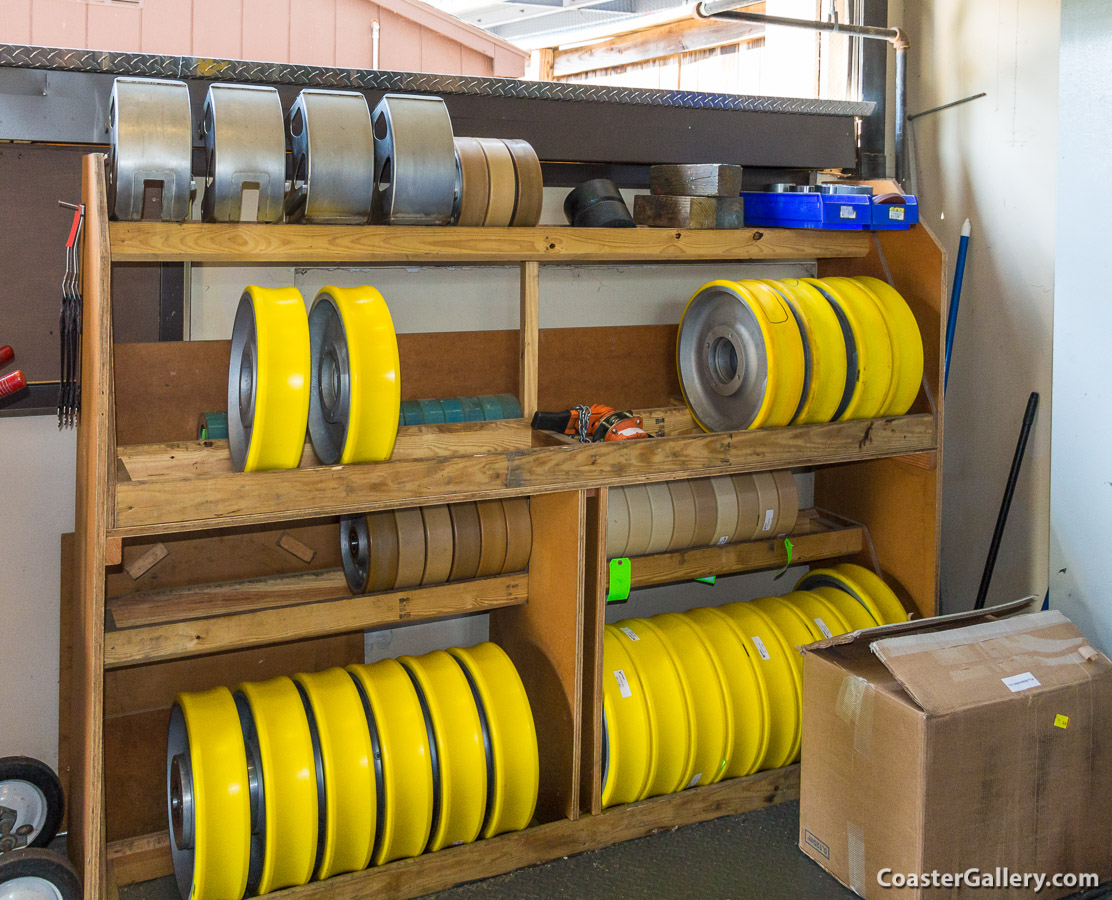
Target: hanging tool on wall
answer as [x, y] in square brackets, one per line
[595, 423]
[955, 298]
[13, 381]
[69, 324]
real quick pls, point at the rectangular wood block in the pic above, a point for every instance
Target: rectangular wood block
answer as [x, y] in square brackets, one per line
[696, 180]
[688, 212]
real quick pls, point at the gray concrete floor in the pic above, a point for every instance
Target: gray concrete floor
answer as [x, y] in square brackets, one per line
[732, 858]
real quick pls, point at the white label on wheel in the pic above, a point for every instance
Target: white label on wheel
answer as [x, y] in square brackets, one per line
[694, 781]
[761, 649]
[770, 514]
[822, 627]
[847, 212]
[630, 633]
[1024, 682]
[897, 213]
[723, 540]
[623, 684]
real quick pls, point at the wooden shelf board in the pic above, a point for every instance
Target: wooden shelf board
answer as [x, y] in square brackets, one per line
[351, 244]
[295, 621]
[812, 540]
[147, 857]
[183, 501]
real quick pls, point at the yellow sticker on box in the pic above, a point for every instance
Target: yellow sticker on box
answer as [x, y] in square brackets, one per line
[1061, 721]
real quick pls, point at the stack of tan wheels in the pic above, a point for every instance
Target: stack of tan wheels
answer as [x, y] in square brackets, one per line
[762, 353]
[692, 698]
[295, 779]
[403, 548]
[499, 183]
[666, 517]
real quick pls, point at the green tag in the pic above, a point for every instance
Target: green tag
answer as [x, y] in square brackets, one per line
[619, 581]
[708, 580]
[787, 565]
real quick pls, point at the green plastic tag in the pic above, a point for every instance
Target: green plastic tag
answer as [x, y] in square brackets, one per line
[787, 565]
[620, 570]
[708, 580]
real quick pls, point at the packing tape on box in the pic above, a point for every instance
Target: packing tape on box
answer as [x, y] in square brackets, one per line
[854, 706]
[856, 845]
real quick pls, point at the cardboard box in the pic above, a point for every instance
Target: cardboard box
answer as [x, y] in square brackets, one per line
[942, 747]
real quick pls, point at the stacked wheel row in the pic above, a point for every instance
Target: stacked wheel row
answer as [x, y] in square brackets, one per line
[704, 512]
[692, 698]
[763, 353]
[485, 408]
[403, 548]
[290, 780]
[398, 164]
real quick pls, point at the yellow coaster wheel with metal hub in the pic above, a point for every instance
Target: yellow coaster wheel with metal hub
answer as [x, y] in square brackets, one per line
[907, 342]
[745, 689]
[514, 763]
[825, 346]
[355, 399]
[211, 793]
[710, 706]
[796, 629]
[277, 732]
[458, 737]
[740, 358]
[268, 380]
[350, 786]
[826, 616]
[669, 698]
[863, 586]
[397, 719]
[851, 609]
[782, 680]
[872, 389]
[628, 750]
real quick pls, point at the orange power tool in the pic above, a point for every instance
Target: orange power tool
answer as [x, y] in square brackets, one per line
[593, 423]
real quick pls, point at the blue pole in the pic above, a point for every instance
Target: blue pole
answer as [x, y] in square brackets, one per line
[955, 298]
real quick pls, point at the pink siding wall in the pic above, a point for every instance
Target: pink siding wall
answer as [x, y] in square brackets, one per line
[412, 36]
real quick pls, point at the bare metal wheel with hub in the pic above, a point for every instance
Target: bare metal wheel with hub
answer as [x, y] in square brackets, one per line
[31, 803]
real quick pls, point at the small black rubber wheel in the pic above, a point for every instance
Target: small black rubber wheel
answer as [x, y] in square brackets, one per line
[31, 803]
[38, 875]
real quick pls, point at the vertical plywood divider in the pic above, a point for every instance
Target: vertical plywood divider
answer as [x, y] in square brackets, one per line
[95, 474]
[544, 638]
[900, 502]
[596, 583]
[530, 337]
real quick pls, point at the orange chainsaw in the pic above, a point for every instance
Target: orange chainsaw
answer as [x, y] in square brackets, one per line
[593, 423]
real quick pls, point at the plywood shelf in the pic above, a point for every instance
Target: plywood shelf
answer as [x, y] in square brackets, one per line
[813, 539]
[367, 244]
[175, 492]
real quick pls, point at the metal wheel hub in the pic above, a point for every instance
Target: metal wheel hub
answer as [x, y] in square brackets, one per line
[29, 887]
[355, 549]
[330, 395]
[242, 382]
[23, 811]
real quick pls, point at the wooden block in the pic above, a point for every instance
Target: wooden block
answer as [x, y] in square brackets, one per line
[295, 547]
[697, 180]
[139, 567]
[113, 551]
[729, 212]
[659, 211]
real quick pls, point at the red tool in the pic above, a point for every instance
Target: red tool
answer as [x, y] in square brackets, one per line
[7, 354]
[12, 382]
[593, 423]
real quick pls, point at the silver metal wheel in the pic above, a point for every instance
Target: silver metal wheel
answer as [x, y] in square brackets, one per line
[243, 380]
[330, 380]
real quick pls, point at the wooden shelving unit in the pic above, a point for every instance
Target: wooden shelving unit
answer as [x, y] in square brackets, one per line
[227, 603]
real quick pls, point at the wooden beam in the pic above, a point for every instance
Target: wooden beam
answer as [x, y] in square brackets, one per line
[684, 36]
[530, 338]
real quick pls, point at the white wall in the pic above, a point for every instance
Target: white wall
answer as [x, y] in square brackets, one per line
[1081, 472]
[993, 161]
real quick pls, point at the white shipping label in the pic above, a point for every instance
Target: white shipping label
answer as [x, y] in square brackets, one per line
[1023, 682]
[896, 213]
[694, 781]
[725, 539]
[770, 514]
[761, 649]
[630, 633]
[822, 626]
[847, 212]
[623, 684]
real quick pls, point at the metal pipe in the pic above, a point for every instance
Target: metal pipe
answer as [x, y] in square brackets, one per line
[727, 9]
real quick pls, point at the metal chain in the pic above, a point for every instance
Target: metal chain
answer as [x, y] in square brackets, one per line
[584, 424]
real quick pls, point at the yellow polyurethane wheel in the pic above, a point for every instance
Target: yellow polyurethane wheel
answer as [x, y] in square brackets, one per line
[785, 687]
[205, 728]
[349, 778]
[827, 348]
[458, 733]
[795, 628]
[275, 398]
[374, 372]
[673, 736]
[907, 342]
[784, 346]
[882, 596]
[289, 782]
[407, 783]
[745, 689]
[852, 610]
[631, 760]
[834, 579]
[826, 616]
[513, 736]
[873, 381]
[710, 706]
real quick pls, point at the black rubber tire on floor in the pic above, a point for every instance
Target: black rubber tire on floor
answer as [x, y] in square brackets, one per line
[48, 865]
[26, 768]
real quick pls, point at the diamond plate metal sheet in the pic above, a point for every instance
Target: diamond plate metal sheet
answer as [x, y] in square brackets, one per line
[20, 56]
